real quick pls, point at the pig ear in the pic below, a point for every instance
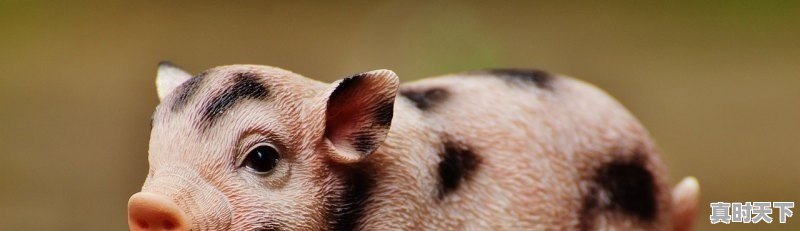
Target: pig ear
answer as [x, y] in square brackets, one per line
[168, 78]
[358, 114]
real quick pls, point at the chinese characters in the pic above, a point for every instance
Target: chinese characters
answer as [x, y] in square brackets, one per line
[755, 212]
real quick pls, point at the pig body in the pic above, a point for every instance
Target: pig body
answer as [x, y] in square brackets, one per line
[247, 147]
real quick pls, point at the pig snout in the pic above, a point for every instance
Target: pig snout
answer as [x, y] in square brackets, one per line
[177, 198]
[150, 211]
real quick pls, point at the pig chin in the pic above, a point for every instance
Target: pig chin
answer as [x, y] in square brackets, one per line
[178, 200]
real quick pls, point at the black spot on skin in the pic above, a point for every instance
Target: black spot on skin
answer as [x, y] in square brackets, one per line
[383, 114]
[540, 78]
[588, 210]
[425, 99]
[364, 142]
[185, 91]
[457, 165]
[629, 188]
[245, 86]
[345, 211]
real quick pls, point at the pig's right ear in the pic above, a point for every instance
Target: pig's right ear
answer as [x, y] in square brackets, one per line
[168, 78]
[358, 114]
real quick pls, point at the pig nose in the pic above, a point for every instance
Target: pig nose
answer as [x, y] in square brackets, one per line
[150, 211]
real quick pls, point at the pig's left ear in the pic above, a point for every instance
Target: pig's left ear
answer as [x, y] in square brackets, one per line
[358, 114]
[169, 77]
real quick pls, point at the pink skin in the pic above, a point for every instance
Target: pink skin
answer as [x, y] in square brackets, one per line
[199, 178]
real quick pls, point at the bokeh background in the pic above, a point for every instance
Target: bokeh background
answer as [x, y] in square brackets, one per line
[716, 82]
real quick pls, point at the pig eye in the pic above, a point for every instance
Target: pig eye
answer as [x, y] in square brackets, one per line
[262, 159]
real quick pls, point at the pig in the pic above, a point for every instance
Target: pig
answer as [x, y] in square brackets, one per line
[249, 147]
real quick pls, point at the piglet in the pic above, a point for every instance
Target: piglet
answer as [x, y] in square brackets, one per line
[247, 147]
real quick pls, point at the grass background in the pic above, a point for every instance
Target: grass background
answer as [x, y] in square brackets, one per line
[716, 82]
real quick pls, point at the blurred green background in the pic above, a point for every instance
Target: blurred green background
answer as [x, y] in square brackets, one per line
[717, 83]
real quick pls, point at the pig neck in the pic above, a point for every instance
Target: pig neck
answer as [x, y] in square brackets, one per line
[405, 162]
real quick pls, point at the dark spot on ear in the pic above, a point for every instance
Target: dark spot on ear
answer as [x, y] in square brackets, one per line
[457, 164]
[345, 210]
[539, 78]
[346, 83]
[244, 86]
[383, 114]
[186, 90]
[365, 141]
[624, 186]
[425, 99]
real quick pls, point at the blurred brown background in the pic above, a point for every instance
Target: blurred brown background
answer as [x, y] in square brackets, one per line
[717, 83]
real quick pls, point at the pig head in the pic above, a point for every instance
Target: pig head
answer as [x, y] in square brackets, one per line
[245, 148]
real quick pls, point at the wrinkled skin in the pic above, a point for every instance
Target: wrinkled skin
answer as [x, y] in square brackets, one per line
[482, 150]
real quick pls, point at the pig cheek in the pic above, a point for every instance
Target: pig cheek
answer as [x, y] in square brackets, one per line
[269, 210]
[253, 211]
[253, 214]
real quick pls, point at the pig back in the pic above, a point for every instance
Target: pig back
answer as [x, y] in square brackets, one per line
[520, 149]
